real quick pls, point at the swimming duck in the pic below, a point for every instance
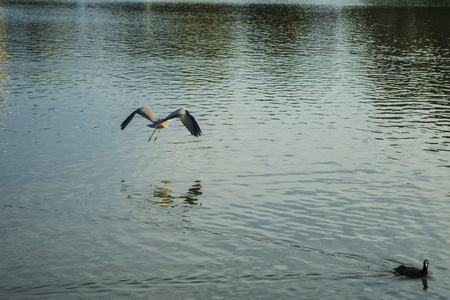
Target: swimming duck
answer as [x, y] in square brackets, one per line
[413, 272]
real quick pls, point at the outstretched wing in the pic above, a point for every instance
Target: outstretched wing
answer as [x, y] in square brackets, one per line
[187, 119]
[143, 111]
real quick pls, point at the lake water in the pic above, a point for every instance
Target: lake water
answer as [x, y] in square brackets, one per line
[324, 160]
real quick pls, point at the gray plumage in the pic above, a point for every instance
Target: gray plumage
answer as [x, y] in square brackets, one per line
[186, 118]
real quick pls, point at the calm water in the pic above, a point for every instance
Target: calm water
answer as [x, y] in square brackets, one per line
[324, 161]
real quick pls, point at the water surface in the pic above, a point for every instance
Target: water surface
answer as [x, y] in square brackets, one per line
[323, 164]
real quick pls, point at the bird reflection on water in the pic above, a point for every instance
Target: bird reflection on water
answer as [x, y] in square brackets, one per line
[164, 196]
[425, 284]
[168, 200]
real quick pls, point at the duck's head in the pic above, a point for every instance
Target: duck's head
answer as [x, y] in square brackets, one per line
[425, 264]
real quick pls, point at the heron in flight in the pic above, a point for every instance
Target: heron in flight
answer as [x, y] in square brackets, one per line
[161, 123]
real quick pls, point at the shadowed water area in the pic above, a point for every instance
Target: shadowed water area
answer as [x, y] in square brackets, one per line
[324, 161]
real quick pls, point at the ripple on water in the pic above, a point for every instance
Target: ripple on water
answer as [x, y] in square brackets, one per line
[323, 162]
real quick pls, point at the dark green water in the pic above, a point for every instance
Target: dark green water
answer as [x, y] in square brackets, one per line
[324, 160]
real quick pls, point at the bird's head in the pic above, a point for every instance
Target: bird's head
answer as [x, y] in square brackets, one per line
[425, 264]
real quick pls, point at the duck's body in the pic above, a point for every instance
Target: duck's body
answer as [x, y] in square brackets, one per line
[413, 272]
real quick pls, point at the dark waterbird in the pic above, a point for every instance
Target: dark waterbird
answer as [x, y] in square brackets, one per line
[413, 272]
[186, 118]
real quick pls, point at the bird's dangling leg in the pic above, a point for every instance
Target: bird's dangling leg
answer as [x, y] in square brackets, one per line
[152, 134]
[158, 133]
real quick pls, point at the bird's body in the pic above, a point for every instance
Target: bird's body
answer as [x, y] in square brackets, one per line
[160, 123]
[413, 272]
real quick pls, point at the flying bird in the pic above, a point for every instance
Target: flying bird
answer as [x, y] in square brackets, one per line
[186, 118]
